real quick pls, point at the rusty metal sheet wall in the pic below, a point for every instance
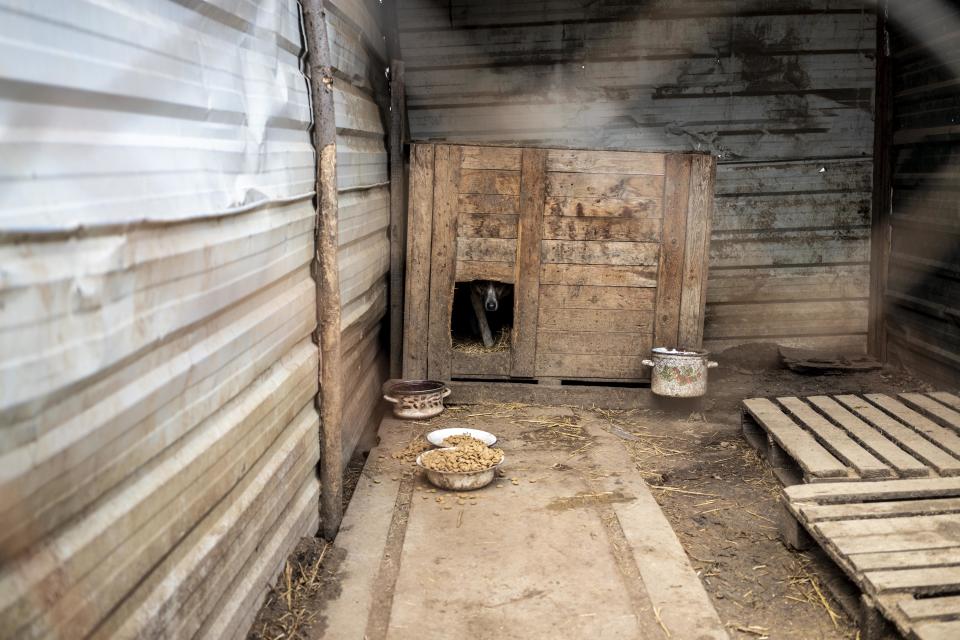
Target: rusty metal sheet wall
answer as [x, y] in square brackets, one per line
[356, 30]
[923, 280]
[780, 92]
[158, 437]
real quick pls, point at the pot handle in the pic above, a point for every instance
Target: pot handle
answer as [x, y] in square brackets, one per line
[649, 363]
[712, 365]
[390, 399]
[446, 392]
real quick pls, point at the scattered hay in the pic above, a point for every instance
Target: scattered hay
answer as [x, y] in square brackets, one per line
[476, 347]
[290, 610]
[560, 431]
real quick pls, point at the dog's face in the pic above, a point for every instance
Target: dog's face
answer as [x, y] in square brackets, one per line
[490, 292]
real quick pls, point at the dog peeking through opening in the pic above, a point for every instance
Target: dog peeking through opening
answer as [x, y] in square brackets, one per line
[486, 296]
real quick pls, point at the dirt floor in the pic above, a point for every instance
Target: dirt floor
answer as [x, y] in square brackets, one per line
[719, 497]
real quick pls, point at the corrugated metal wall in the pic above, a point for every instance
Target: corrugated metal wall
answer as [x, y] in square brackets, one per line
[359, 54]
[158, 437]
[923, 279]
[780, 91]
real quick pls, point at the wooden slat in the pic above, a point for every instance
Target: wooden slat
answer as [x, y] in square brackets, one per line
[526, 295]
[487, 225]
[945, 438]
[489, 181]
[419, 236]
[622, 229]
[933, 409]
[868, 510]
[604, 207]
[946, 523]
[948, 399]
[468, 270]
[442, 263]
[673, 243]
[480, 203]
[892, 542]
[603, 320]
[495, 363]
[840, 492]
[506, 158]
[625, 162]
[904, 436]
[800, 445]
[920, 581]
[591, 297]
[600, 275]
[948, 630]
[901, 559]
[599, 253]
[836, 441]
[930, 608]
[696, 254]
[589, 366]
[904, 464]
[487, 249]
[592, 185]
[593, 342]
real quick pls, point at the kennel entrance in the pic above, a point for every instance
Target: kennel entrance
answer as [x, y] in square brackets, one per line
[606, 253]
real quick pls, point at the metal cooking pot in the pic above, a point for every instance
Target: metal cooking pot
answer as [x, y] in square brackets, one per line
[679, 373]
[417, 399]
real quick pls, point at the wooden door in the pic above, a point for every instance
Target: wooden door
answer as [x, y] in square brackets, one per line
[606, 251]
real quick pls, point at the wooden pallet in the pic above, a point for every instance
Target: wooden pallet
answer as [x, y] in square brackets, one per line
[898, 541]
[854, 438]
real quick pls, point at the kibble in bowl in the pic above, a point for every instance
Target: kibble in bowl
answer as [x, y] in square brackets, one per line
[469, 465]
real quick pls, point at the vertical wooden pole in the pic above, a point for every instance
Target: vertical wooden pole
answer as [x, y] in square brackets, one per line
[696, 256]
[397, 215]
[882, 192]
[327, 272]
[533, 181]
[666, 324]
[416, 316]
[443, 259]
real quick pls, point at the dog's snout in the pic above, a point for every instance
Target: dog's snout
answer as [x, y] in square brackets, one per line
[491, 305]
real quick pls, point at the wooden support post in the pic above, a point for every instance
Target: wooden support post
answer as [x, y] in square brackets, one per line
[419, 238]
[398, 216]
[666, 326]
[882, 192]
[443, 259]
[327, 272]
[526, 296]
[791, 531]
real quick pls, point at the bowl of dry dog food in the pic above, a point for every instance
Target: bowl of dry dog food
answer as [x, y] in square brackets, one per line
[464, 464]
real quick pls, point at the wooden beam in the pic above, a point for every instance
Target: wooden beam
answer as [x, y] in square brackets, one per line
[330, 398]
[882, 192]
[397, 215]
[696, 256]
[443, 258]
[526, 297]
[672, 246]
[419, 236]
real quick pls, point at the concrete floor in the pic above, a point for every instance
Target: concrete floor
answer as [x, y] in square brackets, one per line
[577, 547]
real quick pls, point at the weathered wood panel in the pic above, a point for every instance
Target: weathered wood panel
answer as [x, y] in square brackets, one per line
[782, 96]
[600, 275]
[922, 308]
